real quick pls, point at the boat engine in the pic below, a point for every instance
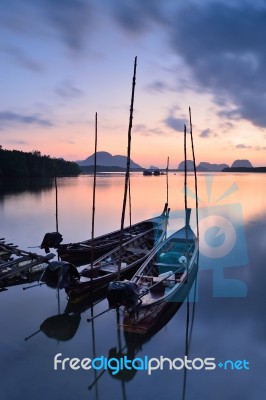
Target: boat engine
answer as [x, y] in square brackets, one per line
[52, 239]
[60, 274]
[122, 293]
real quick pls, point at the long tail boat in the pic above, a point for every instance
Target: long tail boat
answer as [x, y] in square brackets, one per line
[121, 261]
[165, 277]
[78, 253]
[167, 274]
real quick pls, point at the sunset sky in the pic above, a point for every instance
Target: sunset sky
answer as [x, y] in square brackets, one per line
[63, 60]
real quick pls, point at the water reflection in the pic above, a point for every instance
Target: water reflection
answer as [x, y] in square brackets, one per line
[13, 186]
[130, 344]
[224, 327]
[64, 326]
[61, 327]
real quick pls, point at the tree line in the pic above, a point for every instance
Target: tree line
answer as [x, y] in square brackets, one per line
[14, 163]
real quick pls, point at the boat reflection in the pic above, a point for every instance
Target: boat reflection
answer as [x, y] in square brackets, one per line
[129, 344]
[61, 327]
[64, 326]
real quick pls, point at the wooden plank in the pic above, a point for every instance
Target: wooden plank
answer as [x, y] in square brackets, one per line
[109, 268]
[11, 263]
[26, 267]
[155, 278]
[137, 250]
[179, 266]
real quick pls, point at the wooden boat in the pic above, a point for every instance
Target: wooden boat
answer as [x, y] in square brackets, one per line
[166, 276]
[80, 253]
[132, 254]
[147, 172]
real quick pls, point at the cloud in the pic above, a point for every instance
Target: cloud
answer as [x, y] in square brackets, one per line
[142, 129]
[205, 133]
[135, 16]
[19, 142]
[260, 148]
[160, 87]
[139, 127]
[224, 47]
[67, 90]
[21, 58]
[72, 19]
[243, 146]
[177, 124]
[226, 125]
[157, 131]
[9, 117]
[221, 43]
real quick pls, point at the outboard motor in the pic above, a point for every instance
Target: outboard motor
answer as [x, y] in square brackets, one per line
[60, 274]
[122, 293]
[52, 239]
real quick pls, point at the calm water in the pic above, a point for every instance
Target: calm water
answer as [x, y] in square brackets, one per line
[226, 321]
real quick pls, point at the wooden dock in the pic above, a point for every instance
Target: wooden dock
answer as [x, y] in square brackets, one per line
[17, 264]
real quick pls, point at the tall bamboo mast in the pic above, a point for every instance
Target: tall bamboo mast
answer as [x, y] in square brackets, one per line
[185, 188]
[167, 168]
[56, 203]
[185, 165]
[56, 199]
[94, 190]
[128, 166]
[129, 200]
[195, 172]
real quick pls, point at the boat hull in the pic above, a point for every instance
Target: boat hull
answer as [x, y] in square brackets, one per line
[150, 317]
[132, 254]
[165, 277]
[81, 253]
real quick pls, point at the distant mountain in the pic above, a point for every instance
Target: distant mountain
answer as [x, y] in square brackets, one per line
[205, 166]
[190, 166]
[242, 164]
[108, 160]
[245, 169]
[153, 167]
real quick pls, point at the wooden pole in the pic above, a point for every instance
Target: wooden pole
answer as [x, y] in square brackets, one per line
[185, 188]
[186, 352]
[167, 168]
[129, 198]
[94, 352]
[33, 334]
[195, 173]
[56, 201]
[58, 300]
[94, 190]
[93, 207]
[185, 165]
[128, 167]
